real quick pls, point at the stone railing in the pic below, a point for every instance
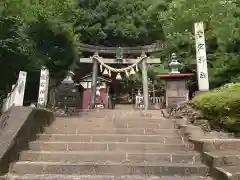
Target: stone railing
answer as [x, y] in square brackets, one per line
[8, 102]
[158, 101]
[15, 97]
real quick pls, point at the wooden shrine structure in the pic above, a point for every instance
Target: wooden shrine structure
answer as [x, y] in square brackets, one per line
[140, 52]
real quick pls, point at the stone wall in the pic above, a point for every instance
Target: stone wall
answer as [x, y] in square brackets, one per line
[17, 127]
[219, 150]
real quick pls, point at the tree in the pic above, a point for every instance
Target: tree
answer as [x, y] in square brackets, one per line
[33, 34]
[51, 31]
[120, 23]
[14, 49]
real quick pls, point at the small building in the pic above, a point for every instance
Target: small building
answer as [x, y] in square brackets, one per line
[102, 94]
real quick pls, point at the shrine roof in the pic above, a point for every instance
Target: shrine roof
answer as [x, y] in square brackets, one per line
[175, 75]
[99, 78]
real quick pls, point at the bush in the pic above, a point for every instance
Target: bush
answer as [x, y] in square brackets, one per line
[221, 107]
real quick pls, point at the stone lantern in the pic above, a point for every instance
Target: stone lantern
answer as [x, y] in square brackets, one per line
[176, 90]
[174, 65]
[67, 93]
[68, 79]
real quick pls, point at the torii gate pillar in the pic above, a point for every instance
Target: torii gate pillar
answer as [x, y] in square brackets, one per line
[94, 82]
[145, 81]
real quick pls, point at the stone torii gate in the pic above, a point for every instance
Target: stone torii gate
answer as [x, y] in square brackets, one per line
[119, 52]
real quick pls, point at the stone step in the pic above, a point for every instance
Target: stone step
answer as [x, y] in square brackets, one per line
[101, 156]
[126, 117]
[106, 146]
[99, 177]
[114, 119]
[226, 173]
[112, 124]
[210, 145]
[115, 169]
[89, 130]
[129, 111]
[110, 138]
[222, 158]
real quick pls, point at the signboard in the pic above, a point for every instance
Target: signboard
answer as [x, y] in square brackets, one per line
[201, 57]
[43, 87]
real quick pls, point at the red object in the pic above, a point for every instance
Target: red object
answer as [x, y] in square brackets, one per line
[86, 91]
[175, 75]
[86, 98]
[99, 99]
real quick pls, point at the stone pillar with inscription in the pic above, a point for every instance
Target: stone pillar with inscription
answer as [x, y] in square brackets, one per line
[43, 87]
[201, 57]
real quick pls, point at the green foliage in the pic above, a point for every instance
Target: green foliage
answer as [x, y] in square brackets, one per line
[15, 52]
[120, 23]
[54, 45]
[222, 23]
[36, 33]
[52, 33]
[221, 106]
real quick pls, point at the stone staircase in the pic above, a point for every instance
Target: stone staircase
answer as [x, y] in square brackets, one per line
[117, 145]
[223, 156]
[221, 153]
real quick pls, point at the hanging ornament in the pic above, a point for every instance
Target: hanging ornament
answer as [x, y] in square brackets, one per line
[109, 73]
[137, 68]
[132, 71]
[118, 77]
[105, 72]
[127, 74]
[101, 67]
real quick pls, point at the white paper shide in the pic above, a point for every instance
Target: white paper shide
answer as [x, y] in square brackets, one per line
[201, 57]
[43, 87]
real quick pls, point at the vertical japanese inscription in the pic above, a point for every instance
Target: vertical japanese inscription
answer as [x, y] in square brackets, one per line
[43, 87]
[201, 57]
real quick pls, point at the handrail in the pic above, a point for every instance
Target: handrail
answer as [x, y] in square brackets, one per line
[155, 47]
[16, 95]
[13, 90]
[8, 102]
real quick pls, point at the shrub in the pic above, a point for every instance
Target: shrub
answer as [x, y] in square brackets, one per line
[221, 107]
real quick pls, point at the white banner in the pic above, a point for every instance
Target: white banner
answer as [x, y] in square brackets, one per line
[43, 87]
[201, 57]
[20, 89]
